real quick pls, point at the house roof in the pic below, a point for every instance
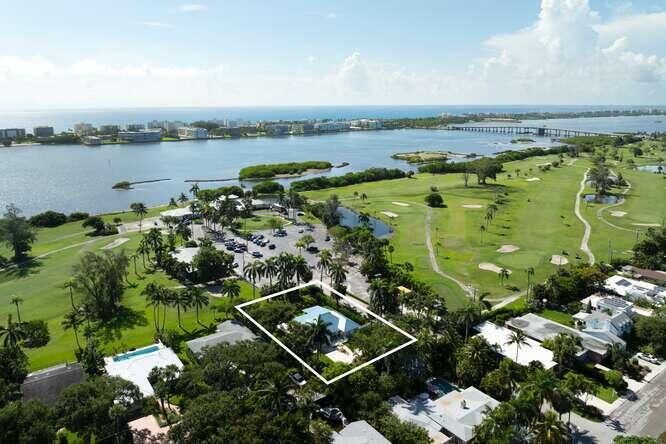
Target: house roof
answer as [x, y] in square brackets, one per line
[177, 212]
[531, 351]
[228, 332]
[540, 328]
[335, 321]
[359, 432]
[457, 412]
[135, 366]
[633, 288]
[185, 254]
[47, 385]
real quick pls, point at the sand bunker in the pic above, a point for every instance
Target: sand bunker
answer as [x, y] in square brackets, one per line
[115, 243]
[507, 249]
[488, 266]
[473, 206]
[533, 179]
[646, 225]
[618, 213]
[389, 214]
[556, 259]
[400, 204]
[544, 164]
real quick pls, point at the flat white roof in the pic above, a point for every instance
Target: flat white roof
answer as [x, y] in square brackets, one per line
[135, 366]
[633, 288]
[185, 254]
[177, 212]
[532, 351]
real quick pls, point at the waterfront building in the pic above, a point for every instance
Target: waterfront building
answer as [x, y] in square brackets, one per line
[109, 129]
[43, 131]
[84, 129]
[12, 133]
[170, 127]
[277, 129]
[329, 127]
[302, 128]
[135, 127]
[92, 140]
[370, 124]
[190, 132]
[141, 136]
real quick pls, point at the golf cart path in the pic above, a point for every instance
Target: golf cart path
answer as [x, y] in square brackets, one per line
[588, 229]
[433, 259]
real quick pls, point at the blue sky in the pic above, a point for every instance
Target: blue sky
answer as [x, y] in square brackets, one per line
[69, 54]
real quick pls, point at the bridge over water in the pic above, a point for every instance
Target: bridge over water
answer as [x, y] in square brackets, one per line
[529, 130]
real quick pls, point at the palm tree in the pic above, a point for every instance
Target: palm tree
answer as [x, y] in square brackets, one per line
[483, 230]
[194, 190]
[73, 321]
[13, 333]
[199, 300]
[140, 210]
[69, 284]
[542, 384]
[182, 198]
[338, 273]
[301, 270]
[182, 300]
[270, 269]
[231, 288]
[325, 261]
[143, 250]
[517, 338]
[276, 395]
[503, 274]
[469, 315]
[530, 275]
[153, 293]
[17, 301]
[253, 270]
[319, 335]
[383, 296]
[550, 430]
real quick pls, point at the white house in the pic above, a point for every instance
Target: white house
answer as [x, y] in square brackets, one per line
[634, 290]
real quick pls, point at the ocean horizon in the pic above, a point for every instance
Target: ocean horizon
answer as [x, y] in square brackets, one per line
[64, 119]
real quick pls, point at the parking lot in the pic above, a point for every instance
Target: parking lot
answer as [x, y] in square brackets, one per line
[356, 283]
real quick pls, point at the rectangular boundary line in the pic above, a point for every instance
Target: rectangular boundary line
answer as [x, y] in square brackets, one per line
[322, 285]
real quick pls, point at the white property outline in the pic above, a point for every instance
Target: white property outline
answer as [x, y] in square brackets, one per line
[323, 286]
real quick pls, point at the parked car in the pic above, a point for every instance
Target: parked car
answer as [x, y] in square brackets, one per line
[271, 247]
[313, 249]
[231, 247]
[332, 414]
[297, 379]
[257, 254]
[300, 213]
[328, 238]
[239, 250]
[235, 265]
[649, 358]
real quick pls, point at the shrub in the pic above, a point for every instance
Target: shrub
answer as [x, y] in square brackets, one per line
[48, 219]
[615, 380]
[434, 200]
[123, 185]
[268, 187]
[36, 333]
[77, 216]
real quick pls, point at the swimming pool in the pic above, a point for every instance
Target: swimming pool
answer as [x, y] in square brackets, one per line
[439, 387]
[129, 355]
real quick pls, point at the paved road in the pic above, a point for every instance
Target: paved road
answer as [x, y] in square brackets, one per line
[588, 229]
[644, 416]
[647, 415]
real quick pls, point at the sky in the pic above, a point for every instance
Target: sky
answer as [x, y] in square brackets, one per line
[139, 53]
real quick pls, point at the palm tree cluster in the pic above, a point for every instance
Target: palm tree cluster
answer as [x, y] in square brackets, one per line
[160, 298]
[286, 270]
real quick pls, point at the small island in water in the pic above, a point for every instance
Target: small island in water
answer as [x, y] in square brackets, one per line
[425, 156]
[127, 185]
[282, 170]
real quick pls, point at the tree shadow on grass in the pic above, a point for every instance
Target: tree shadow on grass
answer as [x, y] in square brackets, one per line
[125, 319]
[23, 269]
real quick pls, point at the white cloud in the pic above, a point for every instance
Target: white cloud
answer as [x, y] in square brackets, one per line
[325, 15]
[157, 25]
[16, 67]
[312, 59]
[192, 7]
[569, 56]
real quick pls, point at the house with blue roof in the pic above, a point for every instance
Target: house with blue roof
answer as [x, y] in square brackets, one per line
[337, 324]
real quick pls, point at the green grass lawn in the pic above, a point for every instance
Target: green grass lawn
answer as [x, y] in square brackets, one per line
[605, 393]
[537, 217]
[40, 286]
[558, 316]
